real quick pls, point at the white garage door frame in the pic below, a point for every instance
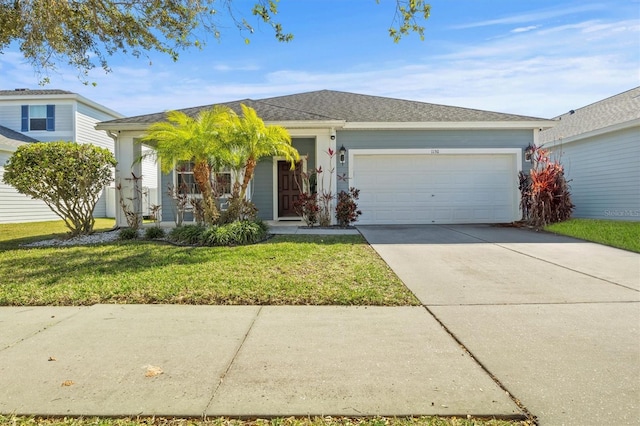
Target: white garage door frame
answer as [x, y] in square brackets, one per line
[515, 153]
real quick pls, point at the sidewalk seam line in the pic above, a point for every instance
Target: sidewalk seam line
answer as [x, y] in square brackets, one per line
[532, 418]
[233, 358]
[44, 328]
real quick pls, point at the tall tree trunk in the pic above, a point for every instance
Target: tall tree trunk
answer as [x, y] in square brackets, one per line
[248, 174]
[202, 176]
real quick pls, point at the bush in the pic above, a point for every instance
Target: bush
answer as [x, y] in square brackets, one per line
[235, 233]
[231, 234]
[128, 234]
[154, 233]
[347, 209]
[307, 206]
[187, 234]
[67, 176]
[545, 192]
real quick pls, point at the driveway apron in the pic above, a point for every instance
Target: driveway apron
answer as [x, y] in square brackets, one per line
[555, 320]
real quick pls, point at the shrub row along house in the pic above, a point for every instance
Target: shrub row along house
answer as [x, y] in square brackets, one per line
[28, 116]
[413, 162]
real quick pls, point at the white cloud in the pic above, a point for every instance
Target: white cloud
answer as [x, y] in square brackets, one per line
[532, 16]
[525, 29]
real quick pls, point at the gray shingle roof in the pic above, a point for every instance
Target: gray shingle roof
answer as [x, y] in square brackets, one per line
[12, 138]
[28, 92]
[7, 133]
[350, 107]
[617, 109]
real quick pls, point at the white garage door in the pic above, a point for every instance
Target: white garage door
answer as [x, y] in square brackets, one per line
[442, 188]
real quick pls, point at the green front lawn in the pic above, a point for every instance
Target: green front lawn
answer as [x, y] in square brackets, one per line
[624, 235]
[285, 270]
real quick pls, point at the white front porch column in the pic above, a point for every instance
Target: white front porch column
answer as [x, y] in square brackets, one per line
[128, 177]
[328, 164]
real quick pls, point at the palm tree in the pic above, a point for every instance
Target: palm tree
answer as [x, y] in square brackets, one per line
[200, 140]
[253, 140]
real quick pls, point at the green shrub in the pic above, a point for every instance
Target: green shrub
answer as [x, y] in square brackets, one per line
[128, 234]
[236, 233]
[153, 233]
[187, 234]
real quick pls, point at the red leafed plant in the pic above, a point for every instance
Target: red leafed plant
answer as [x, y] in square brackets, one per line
[545, 192]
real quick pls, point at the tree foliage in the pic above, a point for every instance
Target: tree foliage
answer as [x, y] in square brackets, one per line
[68, 177]
[84, 33]
[215, 140]
[199, 140]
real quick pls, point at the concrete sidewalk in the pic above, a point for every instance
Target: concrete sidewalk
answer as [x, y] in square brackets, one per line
[175, 360]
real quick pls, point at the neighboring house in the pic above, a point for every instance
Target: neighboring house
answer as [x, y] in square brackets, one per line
[599, 147]
[44, 116]
[414, 162]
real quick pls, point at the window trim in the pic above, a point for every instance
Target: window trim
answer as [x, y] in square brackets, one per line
[176, 172]
[27, 116]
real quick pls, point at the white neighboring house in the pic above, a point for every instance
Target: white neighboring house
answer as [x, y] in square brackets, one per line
[599, 147]
[28, 116]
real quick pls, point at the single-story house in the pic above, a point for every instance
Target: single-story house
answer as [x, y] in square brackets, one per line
[599, 147]
[413, 162]
[47, 115]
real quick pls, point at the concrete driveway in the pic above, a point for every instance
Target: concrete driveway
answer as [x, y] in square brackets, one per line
[555, 320]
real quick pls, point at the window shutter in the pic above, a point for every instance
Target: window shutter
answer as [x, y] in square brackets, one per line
[25, 118]
[51, 118]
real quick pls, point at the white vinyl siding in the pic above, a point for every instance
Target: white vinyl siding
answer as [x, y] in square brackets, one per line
[16, 207]
[604, 175]
[10, 116]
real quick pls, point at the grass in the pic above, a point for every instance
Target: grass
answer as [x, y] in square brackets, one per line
[14, 234]
[290, 421]
[624, 235]
[285, 270]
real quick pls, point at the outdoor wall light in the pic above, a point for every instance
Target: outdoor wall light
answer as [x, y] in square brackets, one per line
[342, 151]
[528, 153]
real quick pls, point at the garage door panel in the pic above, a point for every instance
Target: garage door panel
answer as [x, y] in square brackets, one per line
[408, 189]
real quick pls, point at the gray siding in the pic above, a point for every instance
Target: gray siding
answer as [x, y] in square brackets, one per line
[262, 192]
[168, 211]
[604, 174]
[422, 139]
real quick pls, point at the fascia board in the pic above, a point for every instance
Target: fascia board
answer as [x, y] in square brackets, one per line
[594, 133]
[450, 125]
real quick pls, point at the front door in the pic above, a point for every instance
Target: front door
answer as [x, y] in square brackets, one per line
[288, 191]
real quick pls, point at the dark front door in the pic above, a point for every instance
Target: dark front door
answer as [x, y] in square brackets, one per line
[288, 191]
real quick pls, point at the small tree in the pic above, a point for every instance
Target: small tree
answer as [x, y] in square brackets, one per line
[68, 177]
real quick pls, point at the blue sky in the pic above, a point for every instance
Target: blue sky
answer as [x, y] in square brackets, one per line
[537, 57]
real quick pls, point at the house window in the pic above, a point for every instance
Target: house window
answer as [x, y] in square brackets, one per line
[186, 182]
[38, 117]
